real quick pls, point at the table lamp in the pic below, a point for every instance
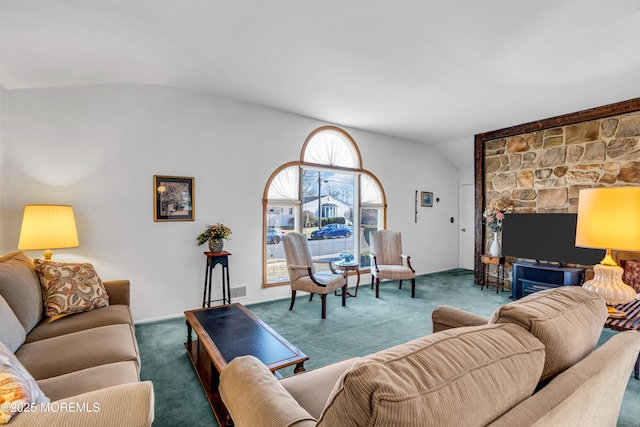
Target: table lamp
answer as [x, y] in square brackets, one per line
[609, 218]
[48, 227]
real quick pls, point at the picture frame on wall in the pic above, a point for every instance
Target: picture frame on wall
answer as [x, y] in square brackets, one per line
[173, 198]
[426, 199]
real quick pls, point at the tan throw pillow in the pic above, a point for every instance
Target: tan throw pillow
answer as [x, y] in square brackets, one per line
[459, 377]
[568, 320]
[18, 389]
[20, 287]
[70, 287]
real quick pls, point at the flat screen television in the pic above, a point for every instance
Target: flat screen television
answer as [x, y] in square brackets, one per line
[545, 237]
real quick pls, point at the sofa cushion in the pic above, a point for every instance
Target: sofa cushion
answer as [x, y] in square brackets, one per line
[17, 386]
[110, 315]
[459, 377]
[323, 380]
[19, 285]
[70, 287]
[124, 405]
[79, 350]
[12, 334]
[568, 321]
[394, 272]
[89, 379]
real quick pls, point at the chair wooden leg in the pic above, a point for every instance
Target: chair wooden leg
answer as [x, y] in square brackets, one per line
[377, 287]
[293, 299]
[323, 297]
[344, 295]
[311, 296]
[372, 281]
[400, 285]
[413, 288]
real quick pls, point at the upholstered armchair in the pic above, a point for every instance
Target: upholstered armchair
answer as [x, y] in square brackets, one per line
[388, 260]
[302, 272]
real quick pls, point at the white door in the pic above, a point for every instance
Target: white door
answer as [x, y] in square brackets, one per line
[467, 202]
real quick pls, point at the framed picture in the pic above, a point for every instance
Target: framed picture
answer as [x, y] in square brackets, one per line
[172, 198]
[427, 199]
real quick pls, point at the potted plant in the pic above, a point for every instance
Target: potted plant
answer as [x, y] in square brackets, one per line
[215, 236]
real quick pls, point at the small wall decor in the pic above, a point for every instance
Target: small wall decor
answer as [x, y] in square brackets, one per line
[426, 199]
[173, 198]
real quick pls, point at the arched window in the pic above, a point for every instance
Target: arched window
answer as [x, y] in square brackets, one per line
[326, 195]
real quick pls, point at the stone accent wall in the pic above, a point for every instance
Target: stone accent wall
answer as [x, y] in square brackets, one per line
[544, 171]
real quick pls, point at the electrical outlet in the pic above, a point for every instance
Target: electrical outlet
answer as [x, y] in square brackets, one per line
[239, 292]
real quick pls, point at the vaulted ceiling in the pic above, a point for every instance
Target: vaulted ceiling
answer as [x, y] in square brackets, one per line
[434, 72]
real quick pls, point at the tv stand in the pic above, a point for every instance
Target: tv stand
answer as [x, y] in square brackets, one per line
[530, 277]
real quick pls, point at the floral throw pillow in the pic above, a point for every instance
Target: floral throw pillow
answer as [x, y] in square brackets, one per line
[70, 287]
[18, 389]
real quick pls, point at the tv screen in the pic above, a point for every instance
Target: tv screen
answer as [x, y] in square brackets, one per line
[548, 237]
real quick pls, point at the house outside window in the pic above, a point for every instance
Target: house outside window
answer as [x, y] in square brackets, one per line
[327, 196]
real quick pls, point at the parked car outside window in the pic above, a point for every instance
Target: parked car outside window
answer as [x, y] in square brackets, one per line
[274, 236]
[332, 231]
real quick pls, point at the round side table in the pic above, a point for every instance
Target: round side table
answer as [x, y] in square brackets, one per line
[345, 268]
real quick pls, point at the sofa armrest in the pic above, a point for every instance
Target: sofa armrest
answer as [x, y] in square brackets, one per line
[125, 405]
[254, 397]
[447, 317]
[118, 291]
[588, 393]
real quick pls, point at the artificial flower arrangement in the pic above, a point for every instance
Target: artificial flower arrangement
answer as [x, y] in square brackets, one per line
[494, 214]
[217, 231]
[346, 257]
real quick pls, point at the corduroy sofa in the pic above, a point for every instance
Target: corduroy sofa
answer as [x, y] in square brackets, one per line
[532, 363]
[86, 363]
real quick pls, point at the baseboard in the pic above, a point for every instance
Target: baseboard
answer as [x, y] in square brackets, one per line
[158, 319]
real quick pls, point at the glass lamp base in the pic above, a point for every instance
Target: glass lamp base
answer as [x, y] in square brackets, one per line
[607, 282]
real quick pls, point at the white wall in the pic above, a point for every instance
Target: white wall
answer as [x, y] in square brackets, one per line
[460, 152]
[98, 147]
[2, 151]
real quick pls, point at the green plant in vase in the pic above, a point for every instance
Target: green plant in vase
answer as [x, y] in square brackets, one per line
[214, 235]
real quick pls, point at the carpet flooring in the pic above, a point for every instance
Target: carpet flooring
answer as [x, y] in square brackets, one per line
[364, 326]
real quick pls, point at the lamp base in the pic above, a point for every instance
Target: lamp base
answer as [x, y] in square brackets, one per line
[607, 282]
[47, 255]
[615, 314]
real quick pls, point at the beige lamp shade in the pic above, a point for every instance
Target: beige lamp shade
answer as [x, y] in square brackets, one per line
[48, 227]
[609, 218]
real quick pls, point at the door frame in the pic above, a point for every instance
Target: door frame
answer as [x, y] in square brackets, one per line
[460, 192]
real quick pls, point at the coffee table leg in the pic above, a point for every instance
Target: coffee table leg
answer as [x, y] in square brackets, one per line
[299, 368]
[188, 334]
[214, 378]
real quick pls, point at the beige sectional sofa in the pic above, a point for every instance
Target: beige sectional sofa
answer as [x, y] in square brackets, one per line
[85, 358]
[532, 363]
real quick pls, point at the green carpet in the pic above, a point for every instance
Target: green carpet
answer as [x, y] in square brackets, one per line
[364, 326]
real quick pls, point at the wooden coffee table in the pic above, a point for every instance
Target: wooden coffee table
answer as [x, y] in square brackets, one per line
[226, 332]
